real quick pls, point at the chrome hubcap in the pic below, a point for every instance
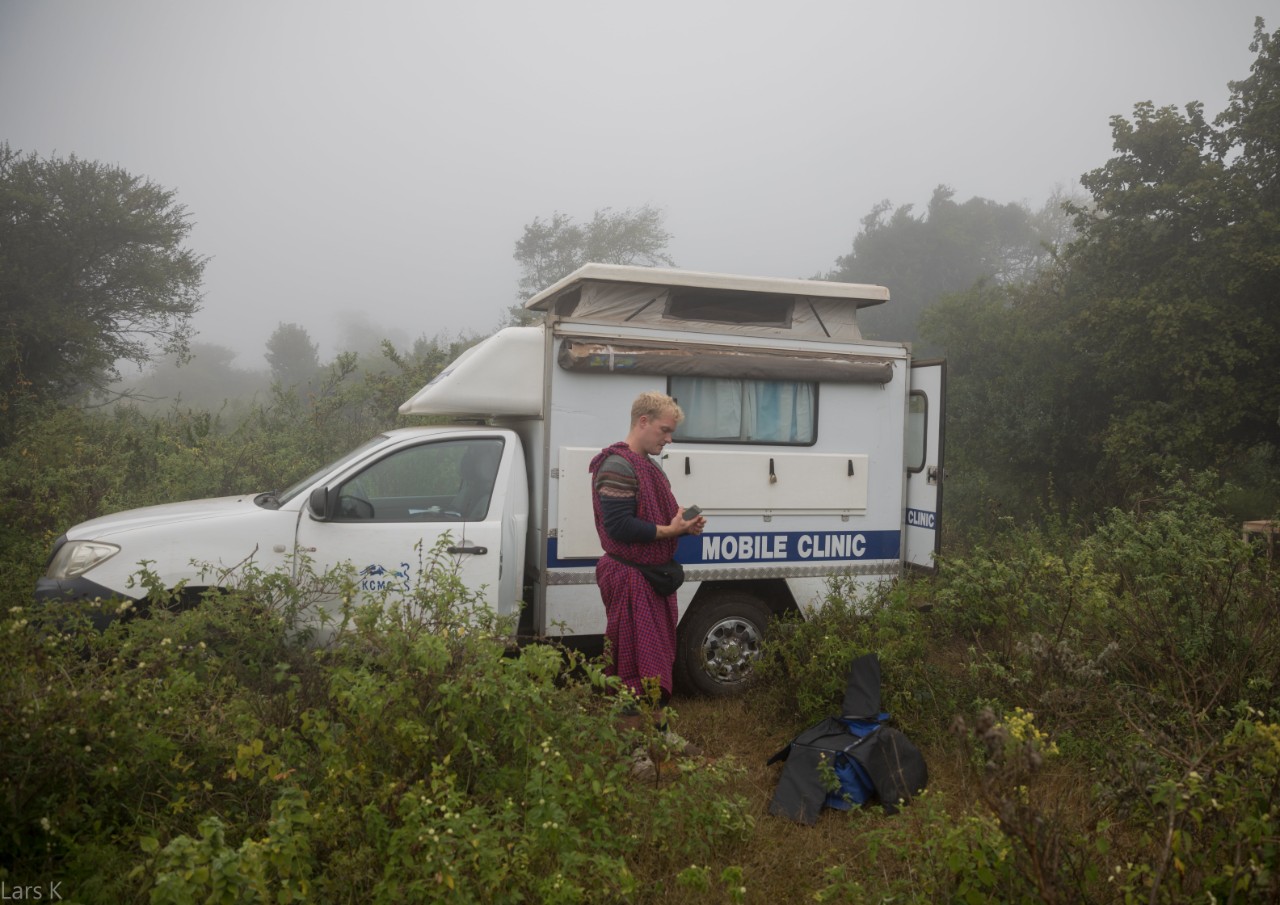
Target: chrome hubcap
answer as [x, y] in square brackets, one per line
[729, 648]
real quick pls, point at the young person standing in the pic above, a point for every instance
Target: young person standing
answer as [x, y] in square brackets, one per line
[639, 524]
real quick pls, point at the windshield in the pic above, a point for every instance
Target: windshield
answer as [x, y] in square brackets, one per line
[298, 487]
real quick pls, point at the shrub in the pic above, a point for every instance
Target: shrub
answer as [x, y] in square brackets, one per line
[221, 751]
[806, 660]
[1194, 613]
[1213, 824]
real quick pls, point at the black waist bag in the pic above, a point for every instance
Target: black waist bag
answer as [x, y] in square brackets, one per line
[665, 579]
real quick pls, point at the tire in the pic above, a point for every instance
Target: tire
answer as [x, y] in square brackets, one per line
[719, 641]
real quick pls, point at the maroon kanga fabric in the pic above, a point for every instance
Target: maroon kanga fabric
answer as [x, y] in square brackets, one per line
[641, 626]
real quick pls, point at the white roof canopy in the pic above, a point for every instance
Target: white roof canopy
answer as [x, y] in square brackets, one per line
[503, 374]
[500, 376]
[710, 302]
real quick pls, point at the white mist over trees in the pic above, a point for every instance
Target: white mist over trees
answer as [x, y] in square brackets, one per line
[1094, 343]
[950, 248]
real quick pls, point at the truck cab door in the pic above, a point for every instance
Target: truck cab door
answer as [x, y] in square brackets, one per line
[439, 497]
[922, 522]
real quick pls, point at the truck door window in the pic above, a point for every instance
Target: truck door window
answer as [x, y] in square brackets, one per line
[917, 421]
[449, 481]
[730, 410]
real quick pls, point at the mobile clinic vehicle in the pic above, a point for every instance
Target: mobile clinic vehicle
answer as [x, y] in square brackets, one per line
[811, 451]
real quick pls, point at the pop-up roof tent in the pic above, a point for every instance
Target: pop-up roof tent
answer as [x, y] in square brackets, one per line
[710, 302]
[495, 377]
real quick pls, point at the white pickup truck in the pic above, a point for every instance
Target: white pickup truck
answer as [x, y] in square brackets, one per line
[812, 452]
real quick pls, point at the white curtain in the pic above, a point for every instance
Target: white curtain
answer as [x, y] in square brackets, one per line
[762, 411]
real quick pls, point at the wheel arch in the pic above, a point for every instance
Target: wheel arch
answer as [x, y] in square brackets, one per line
[774, 593]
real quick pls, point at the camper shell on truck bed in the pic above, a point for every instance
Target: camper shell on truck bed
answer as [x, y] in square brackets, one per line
[812, 452]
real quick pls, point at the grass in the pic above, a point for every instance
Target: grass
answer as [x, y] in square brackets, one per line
[864, 854]
[786, 861]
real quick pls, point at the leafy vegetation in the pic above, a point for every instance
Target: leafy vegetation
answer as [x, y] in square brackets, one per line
[1097, 708]
[1117, 728]
[1148, 345]
[92, 273]
[219, 752]
[949, 249]
[551, 249]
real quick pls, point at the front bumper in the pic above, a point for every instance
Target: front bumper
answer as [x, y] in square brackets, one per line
[50, 592]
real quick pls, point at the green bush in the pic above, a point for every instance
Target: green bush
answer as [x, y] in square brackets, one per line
[806, 659]
[963, 858]
[230, 751]
[65, 465]
[1147, 650]
[1214, 824]
[1195, 616]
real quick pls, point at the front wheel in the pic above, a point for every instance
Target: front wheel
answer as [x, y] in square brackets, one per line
[719, 642]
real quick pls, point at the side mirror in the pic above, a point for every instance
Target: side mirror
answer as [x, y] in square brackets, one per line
[318, 503]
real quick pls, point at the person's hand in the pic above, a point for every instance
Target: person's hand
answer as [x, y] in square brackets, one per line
[680, 525]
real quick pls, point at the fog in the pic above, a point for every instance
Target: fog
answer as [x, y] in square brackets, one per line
[354, 167]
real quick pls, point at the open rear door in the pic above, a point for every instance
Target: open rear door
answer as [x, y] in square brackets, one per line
[922, 522]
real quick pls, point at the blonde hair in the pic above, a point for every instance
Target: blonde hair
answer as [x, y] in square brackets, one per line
[654, 405]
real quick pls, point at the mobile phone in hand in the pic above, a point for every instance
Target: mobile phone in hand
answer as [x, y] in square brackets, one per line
[691, 513]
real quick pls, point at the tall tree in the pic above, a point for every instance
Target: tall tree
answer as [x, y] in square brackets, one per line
[92, 272]
[293, 357]
[1158, 337]
[552, 249]
[1176, 276]
[948, 249]
[1017, 398]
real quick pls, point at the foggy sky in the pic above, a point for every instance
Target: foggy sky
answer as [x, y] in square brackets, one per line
[378, 160]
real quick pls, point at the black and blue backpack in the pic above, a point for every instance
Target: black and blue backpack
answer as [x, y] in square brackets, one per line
[871, 760]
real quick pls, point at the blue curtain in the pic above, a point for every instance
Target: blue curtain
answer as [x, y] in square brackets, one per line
[762, 411]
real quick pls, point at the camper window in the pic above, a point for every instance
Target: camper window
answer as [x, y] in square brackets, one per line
[721, 306]
[768, 412]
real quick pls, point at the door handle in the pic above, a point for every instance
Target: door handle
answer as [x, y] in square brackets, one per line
[478, 551]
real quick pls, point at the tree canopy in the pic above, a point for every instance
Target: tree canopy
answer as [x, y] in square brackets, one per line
[948, 249]
[1154, 343]
[207, 379]
[293, 357]
[93, 272]
[550, 250]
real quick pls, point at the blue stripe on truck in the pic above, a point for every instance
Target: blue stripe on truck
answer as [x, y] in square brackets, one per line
[773, 547]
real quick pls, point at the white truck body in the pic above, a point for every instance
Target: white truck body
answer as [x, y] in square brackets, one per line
[812, 452]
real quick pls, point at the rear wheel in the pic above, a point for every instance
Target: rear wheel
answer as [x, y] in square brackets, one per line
[719, 642]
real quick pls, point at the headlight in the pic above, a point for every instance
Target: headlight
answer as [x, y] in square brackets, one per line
[76, 557]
